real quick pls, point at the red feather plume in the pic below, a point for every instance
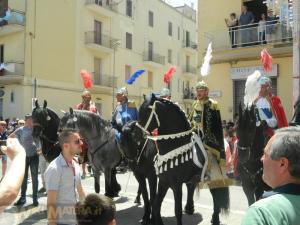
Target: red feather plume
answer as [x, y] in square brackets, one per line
[87, 79]
[168, 75]
[266, 60]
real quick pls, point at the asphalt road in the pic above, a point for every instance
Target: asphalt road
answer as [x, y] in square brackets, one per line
[129, 213]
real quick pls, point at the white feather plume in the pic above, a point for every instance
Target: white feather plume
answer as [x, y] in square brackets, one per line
[205, 68]
[252, 88]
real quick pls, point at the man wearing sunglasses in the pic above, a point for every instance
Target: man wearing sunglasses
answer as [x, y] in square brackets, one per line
[63, 181]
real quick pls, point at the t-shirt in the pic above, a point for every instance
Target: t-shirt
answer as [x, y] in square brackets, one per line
[30, 144]
[246, 18]
[278, 209]
[64, 179]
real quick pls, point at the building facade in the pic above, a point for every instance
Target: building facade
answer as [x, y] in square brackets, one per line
[236, 50]
[45, 44]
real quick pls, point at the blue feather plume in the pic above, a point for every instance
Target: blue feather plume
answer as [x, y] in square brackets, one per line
[133, 77]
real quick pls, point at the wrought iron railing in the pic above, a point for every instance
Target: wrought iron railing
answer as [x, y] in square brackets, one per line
[15, 17]
[272, 32]
[107, 4]
[104, 80]
[189, 44]
[150, 56]
[189, 69]
[93, 37]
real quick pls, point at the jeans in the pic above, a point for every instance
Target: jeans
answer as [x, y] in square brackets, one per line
[33, 163]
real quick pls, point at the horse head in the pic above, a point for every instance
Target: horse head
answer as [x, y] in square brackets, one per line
[41, 118]
[246, 128]
[296, 117]
[131, 140]
[147, 115]
[68, 121]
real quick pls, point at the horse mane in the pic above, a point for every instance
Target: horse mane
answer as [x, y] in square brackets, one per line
[176, 108]
[90, 119]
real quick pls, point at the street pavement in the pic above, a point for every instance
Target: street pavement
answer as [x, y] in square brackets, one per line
[129, 213]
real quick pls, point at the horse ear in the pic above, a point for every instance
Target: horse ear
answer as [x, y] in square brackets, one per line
[37, 104]
[71, 111]
[45, 104]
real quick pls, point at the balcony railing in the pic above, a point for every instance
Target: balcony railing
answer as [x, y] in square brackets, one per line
[104, 80]
[12, 68]
[189, 93]
[189, 44]
[16, 17]
[273, 32]
[107, 4]
[93, 37]
[189, 69]
[152, 57]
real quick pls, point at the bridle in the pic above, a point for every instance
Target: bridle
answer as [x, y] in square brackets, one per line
[159, 137]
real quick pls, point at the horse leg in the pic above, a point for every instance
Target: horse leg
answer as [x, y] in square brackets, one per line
[161, 193]
[152, 180]
[138, 196]
[116, 187]
[108, 186]
[143, 189]
[189, 207]
[221, 202]
[97, 181]
[177, 191]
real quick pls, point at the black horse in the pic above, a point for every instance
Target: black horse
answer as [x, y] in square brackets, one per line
[250, 148]
[103, 151]
[140, 153]
[296, 117]
[174, 163]
[45, 126]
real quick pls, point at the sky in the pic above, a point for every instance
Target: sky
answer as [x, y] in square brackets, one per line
[182, 2]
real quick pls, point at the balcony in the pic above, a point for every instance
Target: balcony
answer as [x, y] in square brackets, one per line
[100, 44]
[189, 72]
[189, 46]
[246, 42]
[11, 72]
[103, 83]
[106, 8]
[14, 24]
[153, 60]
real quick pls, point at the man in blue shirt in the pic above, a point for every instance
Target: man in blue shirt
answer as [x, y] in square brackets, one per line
[246, 19]
[32, 147]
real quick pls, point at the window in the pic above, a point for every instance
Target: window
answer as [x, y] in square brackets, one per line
[129, 8]
[178, 33]
[170, 29]
[169, 56]
[97, 71]
[1, 53]
[150, 51]
[98, 32]
[128, 41]
[150, 18]
[127, 72]
[12, 97]
[150, 79]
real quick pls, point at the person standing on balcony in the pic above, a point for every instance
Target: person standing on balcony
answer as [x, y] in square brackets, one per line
[246, 19]
[88, 105]
[271, 27]
[232, 24]
[262, 29]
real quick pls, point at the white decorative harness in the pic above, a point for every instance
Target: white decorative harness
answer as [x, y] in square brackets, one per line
[186, 151]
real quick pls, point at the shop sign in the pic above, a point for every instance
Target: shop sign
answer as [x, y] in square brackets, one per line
[240, 73]
[215, 94]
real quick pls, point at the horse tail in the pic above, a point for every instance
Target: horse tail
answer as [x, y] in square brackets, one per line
[221, 199]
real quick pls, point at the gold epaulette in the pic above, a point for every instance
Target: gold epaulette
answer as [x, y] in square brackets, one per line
[214, 104]
[131, 104]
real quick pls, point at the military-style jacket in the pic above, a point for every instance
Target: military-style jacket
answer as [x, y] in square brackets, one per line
[205, 117]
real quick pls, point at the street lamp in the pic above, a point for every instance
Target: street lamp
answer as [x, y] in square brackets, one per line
[115, 45]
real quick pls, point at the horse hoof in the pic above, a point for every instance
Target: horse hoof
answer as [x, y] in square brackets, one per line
[137, 201]
[189, 211]
[215, 222]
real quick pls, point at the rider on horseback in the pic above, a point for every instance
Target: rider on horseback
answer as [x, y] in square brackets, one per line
[206, 121]
[269, 110]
